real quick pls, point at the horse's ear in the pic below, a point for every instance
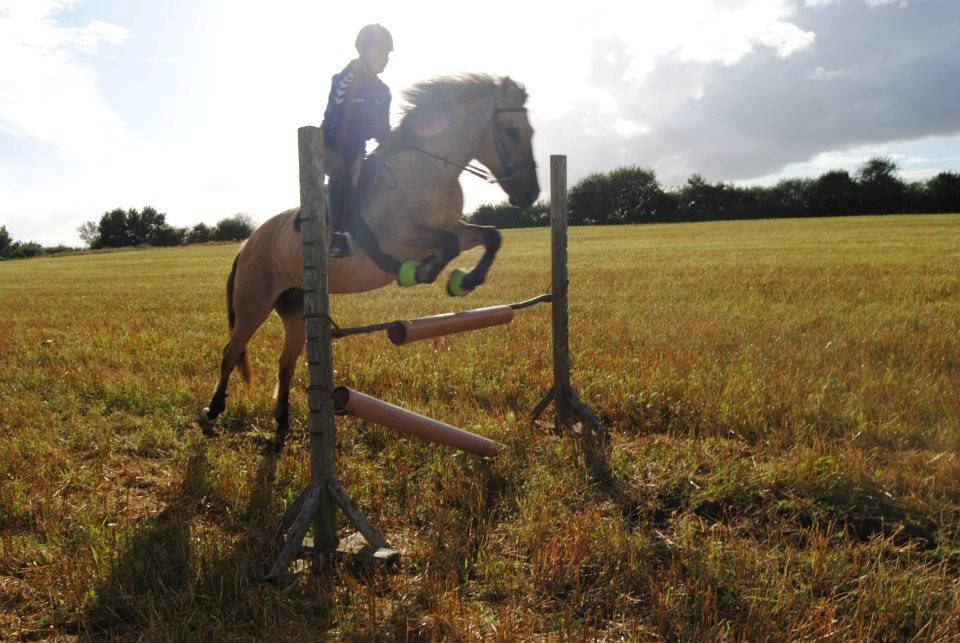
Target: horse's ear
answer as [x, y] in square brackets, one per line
[512, 91]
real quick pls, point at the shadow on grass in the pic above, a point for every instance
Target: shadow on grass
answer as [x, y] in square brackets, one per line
[182, 574]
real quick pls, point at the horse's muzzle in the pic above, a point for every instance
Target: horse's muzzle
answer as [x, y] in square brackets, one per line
[524, 198]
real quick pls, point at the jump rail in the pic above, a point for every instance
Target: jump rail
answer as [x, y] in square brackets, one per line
[318, 501]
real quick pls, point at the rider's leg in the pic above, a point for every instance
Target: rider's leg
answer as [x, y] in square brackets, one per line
[339, 192]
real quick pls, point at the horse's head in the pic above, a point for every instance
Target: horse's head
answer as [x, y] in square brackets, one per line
[506, 146]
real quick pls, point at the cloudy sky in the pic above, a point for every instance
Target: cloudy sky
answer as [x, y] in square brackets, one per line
[192, 106]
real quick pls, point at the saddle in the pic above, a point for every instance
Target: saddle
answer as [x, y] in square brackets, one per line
[370, 168]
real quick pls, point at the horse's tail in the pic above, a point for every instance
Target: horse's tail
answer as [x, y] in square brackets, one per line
[232, 317]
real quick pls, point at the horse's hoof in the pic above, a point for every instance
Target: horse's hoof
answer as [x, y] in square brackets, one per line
[279, 440]
[456, 284]
[205, 421]
[407, 276]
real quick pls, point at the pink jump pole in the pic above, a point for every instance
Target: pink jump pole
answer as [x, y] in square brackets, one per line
[413, 330]
[380, 412]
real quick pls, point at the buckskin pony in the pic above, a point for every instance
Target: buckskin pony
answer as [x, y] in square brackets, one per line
[408, 224]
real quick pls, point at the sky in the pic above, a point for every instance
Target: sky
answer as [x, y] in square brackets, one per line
[192, 106]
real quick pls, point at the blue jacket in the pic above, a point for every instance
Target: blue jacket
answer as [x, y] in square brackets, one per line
[358, 109]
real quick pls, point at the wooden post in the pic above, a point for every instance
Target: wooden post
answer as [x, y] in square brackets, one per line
[317, 504]
[316, 303]
[566, 402]
[558, 286]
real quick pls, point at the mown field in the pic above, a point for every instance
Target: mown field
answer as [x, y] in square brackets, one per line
[784, 404]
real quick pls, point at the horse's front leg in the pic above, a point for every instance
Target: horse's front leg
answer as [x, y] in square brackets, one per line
[447, 247]
[468, 236]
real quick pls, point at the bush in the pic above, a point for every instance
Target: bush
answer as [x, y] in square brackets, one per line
[5, 242]
[10, 249]
[943, 192]
[120, 228]
[504, 215]
[236, 228]
[881, 190]
[199, 233]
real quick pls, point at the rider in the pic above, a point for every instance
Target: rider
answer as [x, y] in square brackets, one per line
[358, 109]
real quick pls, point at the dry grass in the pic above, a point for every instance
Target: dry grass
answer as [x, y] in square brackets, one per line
[785, 413]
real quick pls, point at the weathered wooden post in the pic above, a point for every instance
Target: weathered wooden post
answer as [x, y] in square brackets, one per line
[318, 502]
[565, 400]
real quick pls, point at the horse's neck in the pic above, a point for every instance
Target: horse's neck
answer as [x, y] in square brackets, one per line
[422, 190]
[457, 143]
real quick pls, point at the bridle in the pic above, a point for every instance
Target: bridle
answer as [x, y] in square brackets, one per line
[508, 170]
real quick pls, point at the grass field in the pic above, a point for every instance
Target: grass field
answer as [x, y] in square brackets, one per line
[784, 398]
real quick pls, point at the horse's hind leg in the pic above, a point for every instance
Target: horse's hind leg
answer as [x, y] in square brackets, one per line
[469, 236]
[290, 308]
[234, 353]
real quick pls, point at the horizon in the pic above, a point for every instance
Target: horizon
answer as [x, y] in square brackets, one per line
[193, 108]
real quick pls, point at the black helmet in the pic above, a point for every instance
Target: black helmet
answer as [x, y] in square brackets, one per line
[374, 35]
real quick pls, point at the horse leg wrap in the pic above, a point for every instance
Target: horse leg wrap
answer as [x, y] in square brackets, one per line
[407, 276]
[457, 285]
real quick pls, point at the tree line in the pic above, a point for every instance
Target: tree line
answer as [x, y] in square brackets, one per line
[634, 195]
[121, 228]
[624, 195]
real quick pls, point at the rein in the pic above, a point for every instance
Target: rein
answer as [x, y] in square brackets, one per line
[509, 169]
[478, 172]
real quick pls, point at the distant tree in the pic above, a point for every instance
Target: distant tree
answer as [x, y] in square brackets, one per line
[25, 250]
[112, 231]
[833, 193]
[637, 196]
[199, 233]
[10, 249]
[504, 215]
[167, 236]
[119, 228]
[590, 200]
[89, 233]
[700, 201]
[745, 202]
[881, 190]
[6, 241]
[788, 198]
[235, 228]
[943, 192]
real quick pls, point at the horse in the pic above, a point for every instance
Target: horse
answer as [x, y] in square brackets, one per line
[408, 223]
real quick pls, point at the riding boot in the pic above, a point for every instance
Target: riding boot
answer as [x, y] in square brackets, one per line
[339, 204]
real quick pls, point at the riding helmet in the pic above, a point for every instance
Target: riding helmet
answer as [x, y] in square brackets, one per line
[374, 35]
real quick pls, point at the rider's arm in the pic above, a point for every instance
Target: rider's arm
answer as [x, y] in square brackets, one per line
[337, 104]
[381, 131]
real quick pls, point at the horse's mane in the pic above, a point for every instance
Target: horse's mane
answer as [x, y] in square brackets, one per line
[439, 93]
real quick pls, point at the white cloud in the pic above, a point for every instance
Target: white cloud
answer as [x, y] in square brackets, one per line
[823, 73]
[48, 94]
[626, 127]
[160, 60]
[879, 3]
